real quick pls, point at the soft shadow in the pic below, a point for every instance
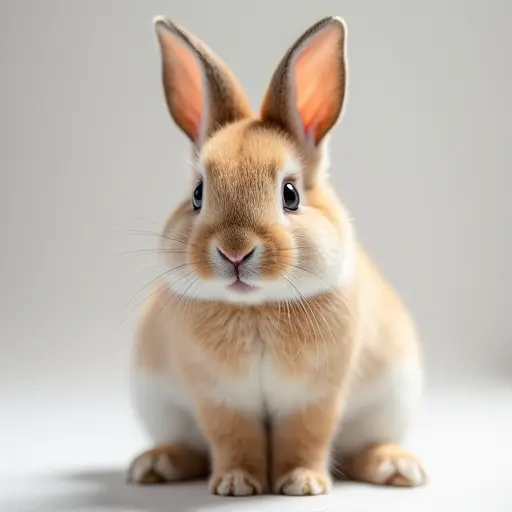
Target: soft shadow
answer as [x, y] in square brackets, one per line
[107, 491]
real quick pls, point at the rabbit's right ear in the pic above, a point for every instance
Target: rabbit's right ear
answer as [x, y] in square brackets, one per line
[201, 92]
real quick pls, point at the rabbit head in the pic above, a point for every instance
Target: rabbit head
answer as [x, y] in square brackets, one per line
[260, 222]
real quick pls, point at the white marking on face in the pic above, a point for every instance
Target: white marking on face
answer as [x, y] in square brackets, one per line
[325, 160]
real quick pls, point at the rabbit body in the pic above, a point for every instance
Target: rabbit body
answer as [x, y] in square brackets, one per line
[273, 354]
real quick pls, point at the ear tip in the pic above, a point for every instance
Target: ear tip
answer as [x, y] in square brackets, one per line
[160, 23]
[159, 20]
[337, 20]
[164, 23]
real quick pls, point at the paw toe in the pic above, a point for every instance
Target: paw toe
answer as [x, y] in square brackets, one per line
[235, 483]
[303, 482]
[387, 464]
[152, 468]
[402, 471]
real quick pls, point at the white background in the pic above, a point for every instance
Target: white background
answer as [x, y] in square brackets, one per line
[422, 159]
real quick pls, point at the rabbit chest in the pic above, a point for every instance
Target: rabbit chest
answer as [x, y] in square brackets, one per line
[260, 372]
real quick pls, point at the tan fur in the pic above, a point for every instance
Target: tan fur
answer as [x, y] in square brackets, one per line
[298, 441]
[242, 153]
[183, 463]
[365, 466]
[228, 332]
[368, 312]
[347, 336]
[238, 443]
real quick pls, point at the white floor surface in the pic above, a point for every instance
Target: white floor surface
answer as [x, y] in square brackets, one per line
[66, 452]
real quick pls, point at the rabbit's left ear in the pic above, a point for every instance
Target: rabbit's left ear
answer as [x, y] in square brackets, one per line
[306, 93]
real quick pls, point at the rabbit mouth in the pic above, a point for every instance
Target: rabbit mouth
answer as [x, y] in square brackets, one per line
[240, 287]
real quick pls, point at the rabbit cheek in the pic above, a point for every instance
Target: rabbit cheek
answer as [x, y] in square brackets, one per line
[199, 257]
[277, 254]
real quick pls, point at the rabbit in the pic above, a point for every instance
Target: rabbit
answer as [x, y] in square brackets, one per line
[273, 355]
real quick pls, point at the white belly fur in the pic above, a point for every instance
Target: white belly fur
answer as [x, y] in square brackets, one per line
[264, 391]
[379, 412]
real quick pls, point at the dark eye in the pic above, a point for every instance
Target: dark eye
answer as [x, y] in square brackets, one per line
[197, 198]
[290, 197]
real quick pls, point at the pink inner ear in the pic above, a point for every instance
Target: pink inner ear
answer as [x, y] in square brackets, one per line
[185, 87]
[317, 76]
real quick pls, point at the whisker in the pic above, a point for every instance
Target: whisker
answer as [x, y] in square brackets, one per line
[153, 233]
[165, 285]
[179, 297]
[146, 220]
[317, 323]
[168, 271]
[174, 293]
[140, 303]
[168, 234]
[301, 328]
[171, 297]
[332, 291]
[138, 251]
[300, 301]
[180, 237]
[185, 302]
[190, 299]
[279, 317]
[287, 304]
[326, 322]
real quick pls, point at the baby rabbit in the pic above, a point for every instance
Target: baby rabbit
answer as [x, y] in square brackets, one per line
[273, 353]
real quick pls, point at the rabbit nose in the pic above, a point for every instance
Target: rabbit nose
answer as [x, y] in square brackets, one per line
[236, 259]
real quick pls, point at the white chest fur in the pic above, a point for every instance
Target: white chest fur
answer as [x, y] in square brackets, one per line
[165, 406]
[164, 403]
[263, 389]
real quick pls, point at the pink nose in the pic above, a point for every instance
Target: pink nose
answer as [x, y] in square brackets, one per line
[236, 259]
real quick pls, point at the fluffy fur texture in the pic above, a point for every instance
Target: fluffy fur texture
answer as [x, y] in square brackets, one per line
[274, 370]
